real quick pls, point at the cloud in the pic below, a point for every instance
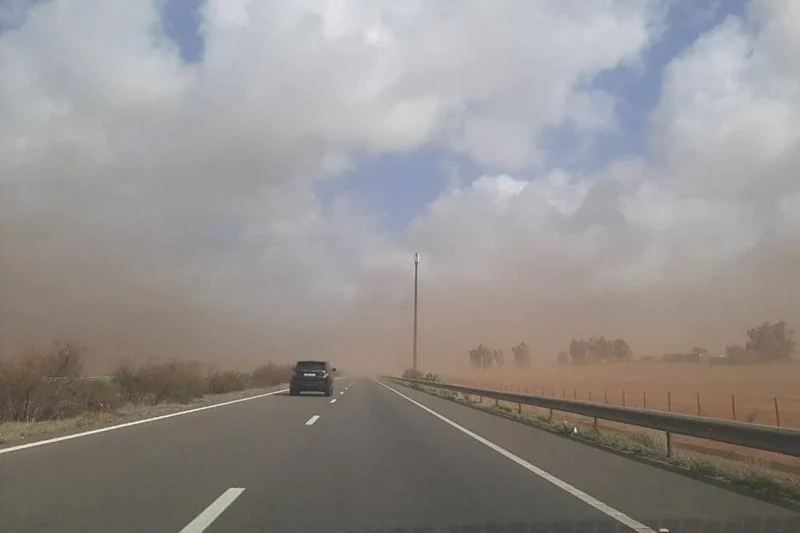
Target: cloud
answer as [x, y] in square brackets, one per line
[155, 207]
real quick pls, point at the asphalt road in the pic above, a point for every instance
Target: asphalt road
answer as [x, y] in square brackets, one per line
[376, 459]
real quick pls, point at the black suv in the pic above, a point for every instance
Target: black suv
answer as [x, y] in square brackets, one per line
[312, 376]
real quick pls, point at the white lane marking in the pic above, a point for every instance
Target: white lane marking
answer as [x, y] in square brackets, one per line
[134, 423]
[212, 512]
[341, 393]
[312, 420]
[563, 485]
[333, 401]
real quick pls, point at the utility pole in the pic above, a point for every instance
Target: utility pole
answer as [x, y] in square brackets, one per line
[416, 278]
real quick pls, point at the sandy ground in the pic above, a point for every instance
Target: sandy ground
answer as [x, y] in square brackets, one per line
[13, 433]
[746, 393]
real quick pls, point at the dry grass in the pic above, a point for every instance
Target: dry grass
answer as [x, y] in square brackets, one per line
[13, 433]
[662, 386]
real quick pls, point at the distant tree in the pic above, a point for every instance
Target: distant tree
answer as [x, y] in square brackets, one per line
[481, 357]
[599, 350]
[521, 355]
[499, 358]
[771, 342]
[578, 352]
[475, 359]
[700, 352]
[621, 350]
[736, 352]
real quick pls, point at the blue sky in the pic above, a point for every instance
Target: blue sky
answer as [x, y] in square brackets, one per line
[396, 188]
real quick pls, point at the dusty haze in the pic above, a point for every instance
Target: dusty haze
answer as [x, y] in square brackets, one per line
[156, 207]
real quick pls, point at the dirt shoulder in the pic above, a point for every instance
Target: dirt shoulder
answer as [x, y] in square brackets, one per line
[15, 433]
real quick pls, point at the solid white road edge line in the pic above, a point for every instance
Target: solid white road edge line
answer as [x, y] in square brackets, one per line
[212, 512]
[134, 423]
[333, 401]
[563, 485]
[312, 420]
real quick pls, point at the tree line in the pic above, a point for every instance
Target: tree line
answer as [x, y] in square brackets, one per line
[484, 358]
[765, 343]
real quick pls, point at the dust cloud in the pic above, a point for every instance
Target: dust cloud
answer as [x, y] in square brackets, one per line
[153, 207]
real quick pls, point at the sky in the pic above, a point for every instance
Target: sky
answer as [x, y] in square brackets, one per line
[245, 179]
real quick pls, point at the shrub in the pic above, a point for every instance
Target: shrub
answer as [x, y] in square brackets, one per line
[270, 374]
[48, 386]
[412, 373]
[175, 381]
[230, 381]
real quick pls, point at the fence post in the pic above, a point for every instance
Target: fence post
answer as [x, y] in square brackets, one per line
[669, 444]
[574, 394]
[590, 395]
[777, 414]
[699, 409]
[550, 416]
[519, 407]
[605, 393]
[563, 391]
[644, 399]
[733, 405]
[623, 397]
[669, 400]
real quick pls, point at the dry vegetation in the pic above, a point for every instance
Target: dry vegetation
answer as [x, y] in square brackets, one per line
[45, 392]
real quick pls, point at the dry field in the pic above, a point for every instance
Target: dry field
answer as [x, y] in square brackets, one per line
[761, 394]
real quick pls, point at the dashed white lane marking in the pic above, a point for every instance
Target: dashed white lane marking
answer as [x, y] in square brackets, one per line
[333, 401]
[341, 393]
[312, 420]
[563, 485]
[134, 423]
[212, 512]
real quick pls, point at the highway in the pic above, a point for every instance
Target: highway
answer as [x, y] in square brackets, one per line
[374, 457]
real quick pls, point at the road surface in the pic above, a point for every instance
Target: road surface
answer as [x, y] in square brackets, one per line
[375, 457]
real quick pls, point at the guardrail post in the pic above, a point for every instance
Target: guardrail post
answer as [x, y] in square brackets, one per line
[733, 405]
[777, 414]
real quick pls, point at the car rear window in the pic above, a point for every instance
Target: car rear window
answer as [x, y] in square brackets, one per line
[310, 365]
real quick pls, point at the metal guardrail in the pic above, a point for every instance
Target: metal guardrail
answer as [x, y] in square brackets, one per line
[773, 439]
